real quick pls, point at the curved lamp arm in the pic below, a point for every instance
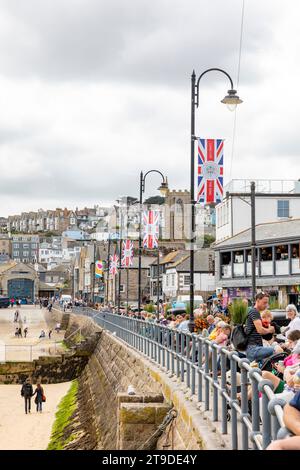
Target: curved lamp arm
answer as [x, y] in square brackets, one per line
[143, 177]
[204, 73]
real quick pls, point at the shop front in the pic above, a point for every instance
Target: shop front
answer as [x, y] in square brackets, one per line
[293, 295]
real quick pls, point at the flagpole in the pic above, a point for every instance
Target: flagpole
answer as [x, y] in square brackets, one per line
[107, 269]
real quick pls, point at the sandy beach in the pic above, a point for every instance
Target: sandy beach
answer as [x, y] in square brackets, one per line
[19, 431]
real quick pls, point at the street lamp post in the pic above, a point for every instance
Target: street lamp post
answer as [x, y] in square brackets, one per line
[231, 100]
[163, 190]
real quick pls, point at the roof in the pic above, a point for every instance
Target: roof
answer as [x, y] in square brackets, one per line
[201, 262]
[171, 257]
[7, 266]
[146, 262]
[44, 286]
[268, 232]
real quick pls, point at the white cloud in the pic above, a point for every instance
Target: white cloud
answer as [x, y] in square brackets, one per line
[93, 92]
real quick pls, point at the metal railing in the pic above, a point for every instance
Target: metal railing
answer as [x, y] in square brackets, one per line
[204, 368]
[28, 352]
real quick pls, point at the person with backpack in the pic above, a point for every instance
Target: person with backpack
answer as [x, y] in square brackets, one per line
[255, 351]
[27, 392]
[40, 397]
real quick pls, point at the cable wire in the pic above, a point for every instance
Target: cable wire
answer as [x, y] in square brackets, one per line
[238, 80]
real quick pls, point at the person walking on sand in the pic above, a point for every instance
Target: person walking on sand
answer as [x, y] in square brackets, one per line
[27, 392]
[40, 397]
[25, 332]
[49, 334]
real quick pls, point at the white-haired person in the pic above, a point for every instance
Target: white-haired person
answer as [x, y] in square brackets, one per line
[293, 316]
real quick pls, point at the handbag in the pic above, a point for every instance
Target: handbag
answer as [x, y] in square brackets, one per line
[43, 398]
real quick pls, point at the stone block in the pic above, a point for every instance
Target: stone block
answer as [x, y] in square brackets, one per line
[137, 413]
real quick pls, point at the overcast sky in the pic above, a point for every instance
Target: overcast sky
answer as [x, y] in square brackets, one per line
[93, 91]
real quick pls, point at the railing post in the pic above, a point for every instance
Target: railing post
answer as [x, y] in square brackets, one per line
[215, 383]
[233, 399]
[255, 404]
[182, 362]
[244, 403]
[193, 384]
[224, 391]
[266, 417]
[200, 368]
[206, 375]
[177, 353]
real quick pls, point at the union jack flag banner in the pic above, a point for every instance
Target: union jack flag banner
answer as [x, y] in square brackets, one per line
[127, 253]
[113, 264]
[210, 170]
[150, 229]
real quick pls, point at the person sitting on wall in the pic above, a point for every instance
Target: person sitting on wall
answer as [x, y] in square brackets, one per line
[291, 418]
[254, 330]
[293, 316]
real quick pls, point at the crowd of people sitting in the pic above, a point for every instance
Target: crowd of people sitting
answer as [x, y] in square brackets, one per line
[273, 349]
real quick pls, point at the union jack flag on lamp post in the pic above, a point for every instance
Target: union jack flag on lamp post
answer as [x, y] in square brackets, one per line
[210, 170]
[150, 229]
[113, 265]
[127, 253]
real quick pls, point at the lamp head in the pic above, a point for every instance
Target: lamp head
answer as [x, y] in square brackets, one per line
[164, 188]
[231, 100]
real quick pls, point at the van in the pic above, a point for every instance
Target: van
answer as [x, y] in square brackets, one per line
[198, 300]
[65, 298]
[4, 302]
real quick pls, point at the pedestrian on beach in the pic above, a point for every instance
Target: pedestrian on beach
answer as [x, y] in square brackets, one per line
[40, 397]
[20, 332]
[17, 332]
[42, 334]
[25, 332]
[27, 392]
[49, 334]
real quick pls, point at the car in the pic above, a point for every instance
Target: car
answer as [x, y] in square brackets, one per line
[4, 302]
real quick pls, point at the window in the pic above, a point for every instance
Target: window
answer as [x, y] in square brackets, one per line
[122, 288]
[186, 279]
[282, 252]
[16, 253]
[283, 208]
[266, 253]
[173, 280]
[295, 251]
[25, 253]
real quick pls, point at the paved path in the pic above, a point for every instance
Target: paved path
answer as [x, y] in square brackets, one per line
[19, 431]
[31, 347]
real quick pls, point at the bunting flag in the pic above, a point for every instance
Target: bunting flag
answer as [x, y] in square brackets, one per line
[150, 229]
[113, 264]
[210, 170]
[127, 253]
[99, 268]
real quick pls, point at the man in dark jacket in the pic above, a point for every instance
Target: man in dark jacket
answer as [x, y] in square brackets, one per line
[27, 392]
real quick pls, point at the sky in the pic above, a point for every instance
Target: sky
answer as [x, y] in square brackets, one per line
[94, 91]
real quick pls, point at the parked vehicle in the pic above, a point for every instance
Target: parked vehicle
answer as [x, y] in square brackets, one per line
[4, 302]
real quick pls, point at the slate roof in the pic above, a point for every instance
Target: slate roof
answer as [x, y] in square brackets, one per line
[268, 232]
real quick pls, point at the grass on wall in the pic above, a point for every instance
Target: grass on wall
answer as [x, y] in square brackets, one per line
[66, 408]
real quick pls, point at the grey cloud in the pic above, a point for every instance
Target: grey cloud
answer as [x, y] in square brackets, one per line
[157, 42]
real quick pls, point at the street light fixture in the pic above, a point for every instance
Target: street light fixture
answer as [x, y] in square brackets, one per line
[231, 100]
[163, 190]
